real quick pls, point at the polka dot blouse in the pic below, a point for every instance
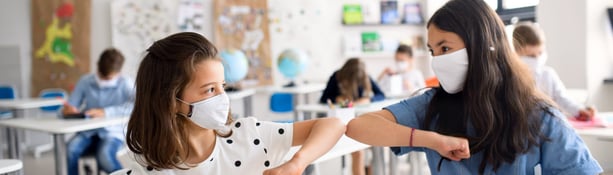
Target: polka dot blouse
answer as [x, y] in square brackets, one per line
[253, 147]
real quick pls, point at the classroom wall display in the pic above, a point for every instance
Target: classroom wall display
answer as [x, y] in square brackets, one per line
[60, 43]
[243, 25]
[136, 24]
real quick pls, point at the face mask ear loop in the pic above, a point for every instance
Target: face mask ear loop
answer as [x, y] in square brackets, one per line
[189, 115]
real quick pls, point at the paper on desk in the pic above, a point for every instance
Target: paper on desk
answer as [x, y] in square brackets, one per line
[599, 121]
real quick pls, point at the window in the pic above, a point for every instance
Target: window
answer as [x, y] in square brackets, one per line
[510, 10]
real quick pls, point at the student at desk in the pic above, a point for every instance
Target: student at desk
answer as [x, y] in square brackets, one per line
[412, 79]
[102, 95]
[352, 83]
[182, 124]
[488, 97]
[529, 44]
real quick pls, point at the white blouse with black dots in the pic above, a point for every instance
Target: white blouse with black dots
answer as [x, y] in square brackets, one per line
[253, 147]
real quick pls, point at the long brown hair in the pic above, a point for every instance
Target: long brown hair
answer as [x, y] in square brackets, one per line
[156, 131]
[499, 99]
[351, 77]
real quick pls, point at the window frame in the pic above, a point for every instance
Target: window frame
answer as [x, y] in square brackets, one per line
[522, 13]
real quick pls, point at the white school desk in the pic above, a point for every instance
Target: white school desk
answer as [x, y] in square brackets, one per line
[344, 146]
[378, 155]
[10, 165]
[18, 106]
[297, 91]
[247, 96]
[58, 128]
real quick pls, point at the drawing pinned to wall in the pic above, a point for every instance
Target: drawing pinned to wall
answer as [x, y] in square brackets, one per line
[190, 15]
[136, 24]
[243, 24]
[61, 51]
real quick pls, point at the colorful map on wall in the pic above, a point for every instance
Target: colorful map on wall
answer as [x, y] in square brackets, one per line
[243, 24]
[60, 43]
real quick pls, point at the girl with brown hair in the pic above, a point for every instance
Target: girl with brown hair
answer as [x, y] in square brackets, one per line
[181, 121]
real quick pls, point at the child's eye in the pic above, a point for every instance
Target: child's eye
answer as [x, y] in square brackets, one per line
[210, 90]
[445, 49]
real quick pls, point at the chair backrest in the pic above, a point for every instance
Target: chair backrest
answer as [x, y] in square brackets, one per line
[7, 92]
[282, 102]
[52, 93]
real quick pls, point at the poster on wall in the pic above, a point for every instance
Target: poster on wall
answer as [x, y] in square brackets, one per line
[60, 43]
[136, 24]
[243, 25]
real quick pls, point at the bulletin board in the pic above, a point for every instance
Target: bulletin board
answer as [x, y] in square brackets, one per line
[60, 43]
[243, 25]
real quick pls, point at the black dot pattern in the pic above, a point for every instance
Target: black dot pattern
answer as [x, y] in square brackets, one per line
[256, 141]
[237, 163]
[211, 159]
[237, 124]
[229, 141]
[149, 168]
[267, 163]
[281, 131]
[265, 151]
[257, 124]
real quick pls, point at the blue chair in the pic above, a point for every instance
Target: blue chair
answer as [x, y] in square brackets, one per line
[282, 102]
[52, 93]
[6, 92]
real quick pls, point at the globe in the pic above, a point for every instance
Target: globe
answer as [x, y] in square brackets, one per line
[292, 62]
[235, 65]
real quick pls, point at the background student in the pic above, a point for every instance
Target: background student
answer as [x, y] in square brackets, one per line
[105, 94]
[181, 122]
[351, 83]
[412, 78]
[529, 43]
[487, 96]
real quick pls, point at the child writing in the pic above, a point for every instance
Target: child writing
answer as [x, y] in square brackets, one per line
[529, 44]
[487, 96]
[181, 122]
[412, 79]
[352, 84]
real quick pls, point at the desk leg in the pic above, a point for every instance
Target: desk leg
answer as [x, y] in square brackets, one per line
[393, 163]
[60, 154]
[296, 114]
[13, 143]
[378, 160]
[248, 106]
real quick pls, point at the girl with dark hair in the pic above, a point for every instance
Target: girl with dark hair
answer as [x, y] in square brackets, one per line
[181, 121]
[487, 96]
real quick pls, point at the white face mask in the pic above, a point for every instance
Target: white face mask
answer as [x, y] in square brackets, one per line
[107, 83]
[451, 69]
[536, 63]
[401, 66]
[211, 113]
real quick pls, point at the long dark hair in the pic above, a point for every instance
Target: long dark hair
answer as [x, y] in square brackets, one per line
[351, 77]
[156, 131]
[499, 99]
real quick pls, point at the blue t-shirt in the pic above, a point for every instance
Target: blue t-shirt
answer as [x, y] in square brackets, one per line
[565, 153]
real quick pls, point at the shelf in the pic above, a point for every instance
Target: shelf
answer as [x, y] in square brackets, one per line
[386, 25]
[371, 55]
